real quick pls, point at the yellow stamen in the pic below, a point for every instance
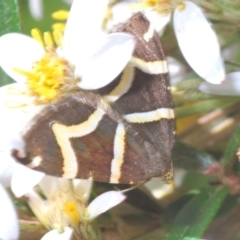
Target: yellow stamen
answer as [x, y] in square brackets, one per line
[37, 35]
[72, 211]
[47, 36]
[181, 6]
[57, 36]
[60, 15]
[59, 26]
[50, 76]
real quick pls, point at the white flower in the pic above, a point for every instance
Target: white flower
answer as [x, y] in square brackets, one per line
[230, 87]
[8, 218]
[198, 42]
[86, 58]
[91, 55]
[66, 204]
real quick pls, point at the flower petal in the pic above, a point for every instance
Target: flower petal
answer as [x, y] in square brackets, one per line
[50, 184]
[108, 62]
[104, 202]
[83, 187]
[18, 51]
[8, 219]
[83, 25]
[38, 206]
[7, 168]
[159, 21]
[120, 12]
[229, 87]
[36, 9]
[54, 234]
[15, 104]
[198, 43]
[24, 179]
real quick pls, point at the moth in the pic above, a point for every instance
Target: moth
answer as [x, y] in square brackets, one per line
[122, 133]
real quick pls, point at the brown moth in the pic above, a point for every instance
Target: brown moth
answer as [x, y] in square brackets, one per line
[122, 133]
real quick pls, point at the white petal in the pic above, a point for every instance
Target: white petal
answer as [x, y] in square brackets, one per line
[7, 168]
[49, 185]
[83, 26]
[54, 234]
[229, 87]
[18, 51]
[36, 9]
[83, 187]
[120, 12]
[159, 21]
[8, 219]
[198, 43]
[107, 62]
[15, 104]
[24, 179]
[38, 206]
[104, 202]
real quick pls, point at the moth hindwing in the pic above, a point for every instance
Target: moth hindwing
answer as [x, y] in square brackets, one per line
[124, 133]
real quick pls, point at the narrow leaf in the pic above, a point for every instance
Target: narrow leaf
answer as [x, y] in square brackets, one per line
[232, 146]
[204, 106]
[196, 216]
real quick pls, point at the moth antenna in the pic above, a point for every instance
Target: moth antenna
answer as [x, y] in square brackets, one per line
[131, 188]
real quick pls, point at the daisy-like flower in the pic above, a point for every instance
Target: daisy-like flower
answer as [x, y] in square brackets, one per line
[65, 206]
[85, 59]
[196, 38]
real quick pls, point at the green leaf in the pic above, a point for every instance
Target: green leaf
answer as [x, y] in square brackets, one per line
[232, 147]
[4, 78]
[9, 20]
[195, 217]
[204, 106]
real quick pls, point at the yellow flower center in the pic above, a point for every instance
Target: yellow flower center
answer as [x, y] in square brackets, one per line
[52, 75]
[72, 211]
[161, 6]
